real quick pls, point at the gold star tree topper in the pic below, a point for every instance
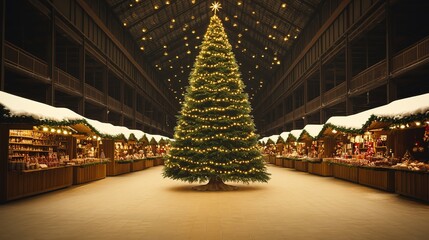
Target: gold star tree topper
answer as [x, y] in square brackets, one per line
[215, 7]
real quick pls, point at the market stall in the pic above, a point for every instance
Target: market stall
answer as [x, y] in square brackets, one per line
[280, 146]
[281, 156]
[297, 151]
[34, 148]
[265, 155]
[406, 122]
[273, 142]
[311, 133]
[270, 150]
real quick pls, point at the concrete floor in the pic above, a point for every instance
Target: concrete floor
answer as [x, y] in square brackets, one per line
[143, 205]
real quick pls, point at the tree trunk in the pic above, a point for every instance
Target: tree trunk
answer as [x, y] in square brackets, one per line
[215, 184]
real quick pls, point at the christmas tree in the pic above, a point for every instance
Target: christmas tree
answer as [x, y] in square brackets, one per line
[214, 137]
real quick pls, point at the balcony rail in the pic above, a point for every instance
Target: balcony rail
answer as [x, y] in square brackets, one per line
[114, 104]
[375, 73]
[411, 55]
[94, 94]
[299, 112]
[128, 111]
[335, 93]
[24, 60]
[66, 80]
[313, 105]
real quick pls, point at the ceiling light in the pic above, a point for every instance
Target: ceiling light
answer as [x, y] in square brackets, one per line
[173, 20]
[144, 38]
[131, 4]
[275, 26]
[234, 25]
[295, 37]
[278, 62]
[142, 48]
[284, 5]
[185, 38]
[193, 31]
[286, 38]
[186, 44]
[257, 22]
[239, 3]
[144, 30]
[193, 1]
[165, 46]
[192, 17]
[156, 6]
[235, 16]
[165, 53]
[226, 19]
[253, 12]
[125, 24]
[167, 2]
[137, 1]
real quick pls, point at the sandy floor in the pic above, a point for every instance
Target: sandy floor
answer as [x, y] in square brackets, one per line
[143, 205]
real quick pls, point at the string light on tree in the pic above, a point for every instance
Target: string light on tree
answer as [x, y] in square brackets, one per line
[214, 136]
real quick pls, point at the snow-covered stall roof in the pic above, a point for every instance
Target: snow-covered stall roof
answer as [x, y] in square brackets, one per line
[311, 130]
[274, 138]
[137, 133]
[284, 135]
[156, 137]
[21, 107]
[417, 106]
[412, 108]
[294, 135]
[264, 140]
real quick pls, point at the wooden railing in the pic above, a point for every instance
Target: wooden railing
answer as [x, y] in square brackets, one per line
[24, 60]
[299, 112]
[411, 55]
[375, 73]
[66, 80]
[335, 93]
[313, 104]
[289, 117]
[277, 122]
[128, 111]
[139, 116]
[94, 94]
[114, 104]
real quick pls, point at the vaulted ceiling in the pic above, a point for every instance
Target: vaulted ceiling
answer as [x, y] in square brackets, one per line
[169, 33]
